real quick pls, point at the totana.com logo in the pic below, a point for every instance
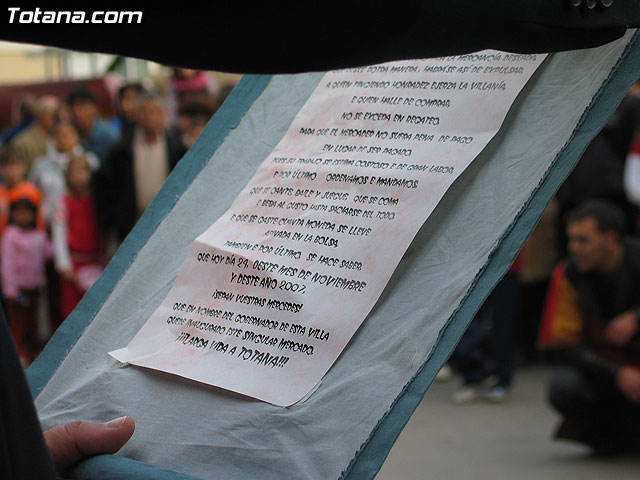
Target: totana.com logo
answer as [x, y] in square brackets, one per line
[17, 15]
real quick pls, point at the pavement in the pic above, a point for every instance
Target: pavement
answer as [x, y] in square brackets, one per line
[482, 440]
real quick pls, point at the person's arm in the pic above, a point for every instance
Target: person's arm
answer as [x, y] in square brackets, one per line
[24, 453]
[28, 453]
[590, 362]
[8, 274]
[61, 254]
[622, 328]
[628, 381]
[93, 160]
[631, 176]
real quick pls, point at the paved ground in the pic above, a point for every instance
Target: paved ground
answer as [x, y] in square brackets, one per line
[494, 441]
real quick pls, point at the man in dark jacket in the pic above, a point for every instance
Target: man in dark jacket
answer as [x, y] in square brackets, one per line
[135, 169]
[595, 327]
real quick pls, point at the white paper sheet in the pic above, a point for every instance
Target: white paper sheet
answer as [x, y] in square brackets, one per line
[270, 295]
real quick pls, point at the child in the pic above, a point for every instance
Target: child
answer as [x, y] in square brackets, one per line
[48, 172]
[13, 170]
[76, 240]
[23, 251]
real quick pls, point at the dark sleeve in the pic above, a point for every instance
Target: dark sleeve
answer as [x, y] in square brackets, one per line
[589, 362]
[101, 184]
[284, 36]
[23, 453]
[108, 186]
[176, 150]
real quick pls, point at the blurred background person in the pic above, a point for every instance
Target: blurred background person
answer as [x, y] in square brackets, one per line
[48, 171]
[136, 169]
[188, 86]
[484, 357]
[196, 127]
[539, 257]
[632, 165]
[13, 170]
[591, 325]
[32, 143]
[23, 251]
[632, 175]
[96, 135]
[22, 115]
[76, 239]
[191, 116]
[127, 107]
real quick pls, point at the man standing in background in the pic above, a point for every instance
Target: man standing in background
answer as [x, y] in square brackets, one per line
[136, 168]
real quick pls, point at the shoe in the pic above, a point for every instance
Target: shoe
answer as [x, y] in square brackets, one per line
[467, 394]
[497, 394]
[445, 374]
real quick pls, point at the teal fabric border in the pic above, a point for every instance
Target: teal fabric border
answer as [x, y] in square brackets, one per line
[370, 458]
[112, 467]
[227, 118]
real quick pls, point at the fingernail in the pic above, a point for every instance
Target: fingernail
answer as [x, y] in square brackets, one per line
[116, 422]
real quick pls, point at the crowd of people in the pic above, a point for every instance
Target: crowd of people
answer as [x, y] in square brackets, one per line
[73, 185]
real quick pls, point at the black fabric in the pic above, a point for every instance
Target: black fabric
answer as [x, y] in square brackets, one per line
[589, 363]
[594, 412]
[23, 454]
[114, 184]
[284, 36]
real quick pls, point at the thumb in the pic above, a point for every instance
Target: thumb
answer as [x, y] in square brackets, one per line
[70, 443]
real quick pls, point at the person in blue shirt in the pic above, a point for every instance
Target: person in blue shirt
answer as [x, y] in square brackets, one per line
[96, 135]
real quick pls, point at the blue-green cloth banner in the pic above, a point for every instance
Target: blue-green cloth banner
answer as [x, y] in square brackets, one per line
[347, 427]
